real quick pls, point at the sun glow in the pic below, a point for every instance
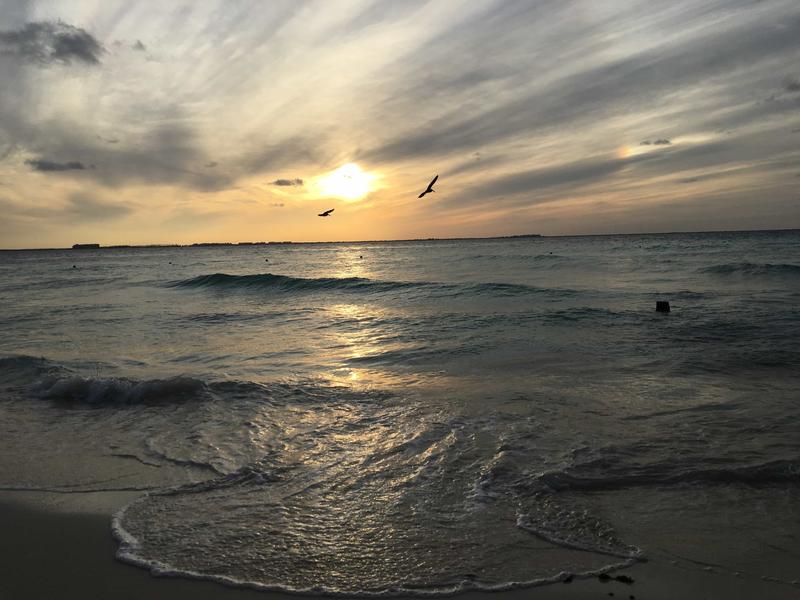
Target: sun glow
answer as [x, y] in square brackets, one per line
[348, 182]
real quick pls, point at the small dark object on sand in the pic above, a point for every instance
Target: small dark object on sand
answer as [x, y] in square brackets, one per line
[266, 260]
[604, 577]
[624, 579]
[662, 306]
[568, 578]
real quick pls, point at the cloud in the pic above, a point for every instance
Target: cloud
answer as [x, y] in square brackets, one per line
[573, 174]
[597, 91]
[49, 165]
[168, 153]
[46, 42]
[477, 163]
[79, 208]
[87, 208]
[515, 104]
[282, 153]
[287, 182]
[792, 85]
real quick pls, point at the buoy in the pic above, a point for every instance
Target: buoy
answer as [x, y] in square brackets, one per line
[662, 306]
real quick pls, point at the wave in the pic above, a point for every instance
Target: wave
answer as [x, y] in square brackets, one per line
[40, 378]
[129, 550]
[269, 281]
[21, 370]
[769, 473]
[285, 283]
[119, 390]
[754, 269]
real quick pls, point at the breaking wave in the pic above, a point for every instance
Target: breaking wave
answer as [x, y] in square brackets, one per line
[119, 390]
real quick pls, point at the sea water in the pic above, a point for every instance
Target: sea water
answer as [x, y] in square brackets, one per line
[416, 417]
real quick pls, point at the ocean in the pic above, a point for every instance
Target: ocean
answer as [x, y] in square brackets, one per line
[419, 417]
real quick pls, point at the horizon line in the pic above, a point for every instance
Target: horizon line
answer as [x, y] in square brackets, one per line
[430, 239]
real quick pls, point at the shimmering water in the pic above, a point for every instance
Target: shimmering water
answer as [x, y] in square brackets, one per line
[416, 416]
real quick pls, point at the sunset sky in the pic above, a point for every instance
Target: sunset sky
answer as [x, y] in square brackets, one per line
[168, 122]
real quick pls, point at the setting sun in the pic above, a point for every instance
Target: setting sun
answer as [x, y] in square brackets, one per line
[348, 182]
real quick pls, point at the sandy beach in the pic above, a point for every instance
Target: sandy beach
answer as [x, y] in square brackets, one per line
[60, 545]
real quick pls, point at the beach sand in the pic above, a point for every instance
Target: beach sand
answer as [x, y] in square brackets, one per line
[60, 546]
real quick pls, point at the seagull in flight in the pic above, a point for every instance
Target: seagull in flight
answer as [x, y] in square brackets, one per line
[429, 188]
[326, 213]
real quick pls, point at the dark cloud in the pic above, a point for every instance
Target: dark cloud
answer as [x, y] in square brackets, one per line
[211, 165]
[658, 142]
[169, 153]
[46, 42]
[139, 46]
[792, 85]
[287, 182]
[49, 165]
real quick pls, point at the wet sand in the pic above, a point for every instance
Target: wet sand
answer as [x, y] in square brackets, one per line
[60, 545]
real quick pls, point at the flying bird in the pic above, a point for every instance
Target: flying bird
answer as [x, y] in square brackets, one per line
[326, 213]
[429, 188]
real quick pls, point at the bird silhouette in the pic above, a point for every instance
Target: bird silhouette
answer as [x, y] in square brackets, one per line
[429, 188]
[326, 213]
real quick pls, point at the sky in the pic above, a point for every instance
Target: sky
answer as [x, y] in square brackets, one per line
[169, 122]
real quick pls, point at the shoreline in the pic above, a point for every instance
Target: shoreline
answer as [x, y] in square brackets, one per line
[61, 545]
